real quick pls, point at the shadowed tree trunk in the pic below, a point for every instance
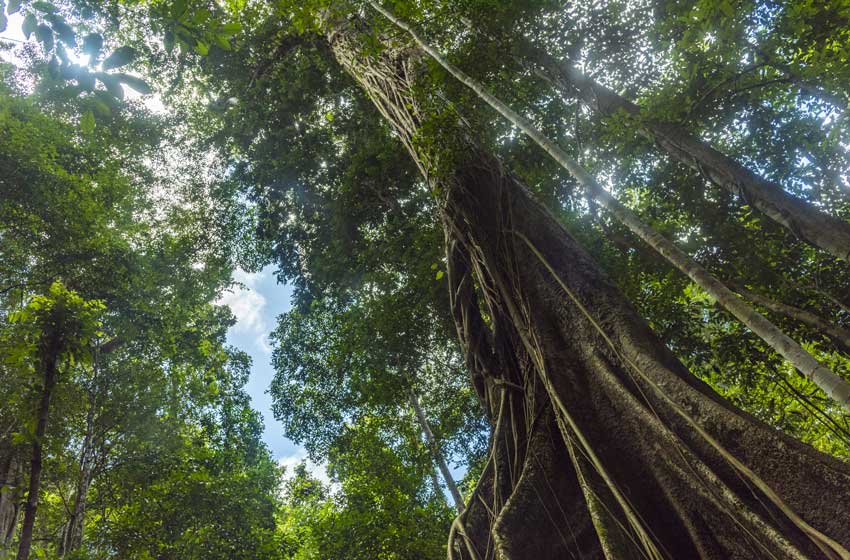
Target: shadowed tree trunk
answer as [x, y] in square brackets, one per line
[51, 346]
[603, 444]
[806, 221]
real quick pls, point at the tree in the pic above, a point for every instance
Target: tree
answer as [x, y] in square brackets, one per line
[570, 376]
[149, 381]
[488, 219]
[380, 507]
[833, 385]
[60, 328]
[374, 360]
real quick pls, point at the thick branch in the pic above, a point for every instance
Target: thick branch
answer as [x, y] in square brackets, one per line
[807, 222]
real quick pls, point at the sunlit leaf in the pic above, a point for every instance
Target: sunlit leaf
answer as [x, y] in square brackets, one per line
[112, 84]
[29, 25]
[45, 7]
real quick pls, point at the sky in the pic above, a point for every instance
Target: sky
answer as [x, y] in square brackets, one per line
[256, 303]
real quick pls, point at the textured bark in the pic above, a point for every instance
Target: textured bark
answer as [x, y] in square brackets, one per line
[833, 385]
[803, 219]
[604, 445]
[434, 448]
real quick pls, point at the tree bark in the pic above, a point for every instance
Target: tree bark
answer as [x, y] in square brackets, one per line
[604, 445]
[834, 386]
[800, 217]
[439, 460]
[48, 361]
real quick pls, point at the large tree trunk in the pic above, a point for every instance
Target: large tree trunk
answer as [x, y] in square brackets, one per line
[604, 445]
[803, 219]
[48, 362]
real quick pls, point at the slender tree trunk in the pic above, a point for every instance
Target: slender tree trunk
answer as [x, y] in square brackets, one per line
[439, 460]
[72, 534]
[603, 444]
[806, 221]
[48, 362]
[839, 335]
[834, 386]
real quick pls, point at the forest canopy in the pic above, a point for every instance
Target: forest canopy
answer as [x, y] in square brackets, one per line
[569, 279]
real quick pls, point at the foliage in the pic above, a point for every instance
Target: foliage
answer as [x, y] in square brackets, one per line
[272, 154]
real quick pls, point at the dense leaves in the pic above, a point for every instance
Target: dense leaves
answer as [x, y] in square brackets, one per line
[271, 154]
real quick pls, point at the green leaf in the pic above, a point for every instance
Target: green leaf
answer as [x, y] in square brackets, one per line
[137, 84]
[440, 274]
[69, 71]
[202, 48]
[102, 102]
[112, 84]
[222, 41]
[119, 57]
[53, 68]
[85, 79]
[29, 25]
[201, 16]
[13, 7]
[62, 30]
[45, 7]
[45, 36]
[62, 54]
[230, 29]
[92, 43]
[178, 10]
[87, 124]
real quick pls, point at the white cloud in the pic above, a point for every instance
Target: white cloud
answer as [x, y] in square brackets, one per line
[289, 463]
[247, 305]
